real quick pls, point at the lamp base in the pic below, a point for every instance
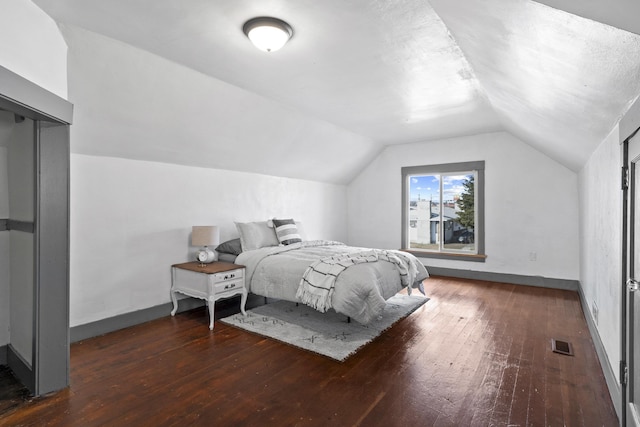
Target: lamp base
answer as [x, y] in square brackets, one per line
[205, 256]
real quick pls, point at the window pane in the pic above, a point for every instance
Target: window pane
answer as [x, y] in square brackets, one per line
[442, 212]
[459, 212]
[424, 199]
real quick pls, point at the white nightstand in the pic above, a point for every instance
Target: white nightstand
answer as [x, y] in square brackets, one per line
[209, 282]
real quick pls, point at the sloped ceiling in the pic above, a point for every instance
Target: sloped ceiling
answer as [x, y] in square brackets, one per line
[400, 71]
[557, 81]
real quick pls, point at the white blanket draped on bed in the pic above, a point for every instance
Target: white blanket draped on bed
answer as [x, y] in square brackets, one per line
[318, 282]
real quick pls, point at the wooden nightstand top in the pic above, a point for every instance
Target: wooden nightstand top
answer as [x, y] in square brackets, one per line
[214, 267]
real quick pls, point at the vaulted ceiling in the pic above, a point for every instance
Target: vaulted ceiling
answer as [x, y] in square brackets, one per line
[556, 74]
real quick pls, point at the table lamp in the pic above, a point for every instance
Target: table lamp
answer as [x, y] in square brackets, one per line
[205, 235]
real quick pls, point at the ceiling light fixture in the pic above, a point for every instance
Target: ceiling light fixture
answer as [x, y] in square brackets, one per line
[268, 34]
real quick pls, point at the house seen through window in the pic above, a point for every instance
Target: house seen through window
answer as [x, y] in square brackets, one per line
[443, 209]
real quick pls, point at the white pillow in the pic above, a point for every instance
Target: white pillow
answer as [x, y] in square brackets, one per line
[256, 235]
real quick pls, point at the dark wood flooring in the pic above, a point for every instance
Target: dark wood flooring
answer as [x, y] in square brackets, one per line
[477, 354]
[12, 392]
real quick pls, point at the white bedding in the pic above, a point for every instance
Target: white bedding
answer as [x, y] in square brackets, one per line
[360, 291]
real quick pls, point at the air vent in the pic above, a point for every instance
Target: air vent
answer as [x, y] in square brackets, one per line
[561, 347]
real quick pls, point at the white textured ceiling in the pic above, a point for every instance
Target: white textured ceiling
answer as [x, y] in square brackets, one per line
[399, 71]
[557, 81]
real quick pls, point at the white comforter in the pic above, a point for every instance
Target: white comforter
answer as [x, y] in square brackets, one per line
[360, 291]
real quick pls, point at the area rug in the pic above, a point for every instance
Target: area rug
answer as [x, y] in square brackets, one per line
[329, 334]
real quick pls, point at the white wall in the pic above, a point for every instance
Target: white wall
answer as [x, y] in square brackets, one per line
[531, 204]
[130, 220]
[600, 234]
[31, 45]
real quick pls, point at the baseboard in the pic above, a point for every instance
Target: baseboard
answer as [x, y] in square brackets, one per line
[516, 279]
[101, 327]
[613, 385]
[3, 354]
[21, 368]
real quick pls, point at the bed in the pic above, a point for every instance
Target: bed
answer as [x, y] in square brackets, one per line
[326, 275]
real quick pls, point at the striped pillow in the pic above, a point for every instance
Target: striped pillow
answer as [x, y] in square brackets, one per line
[287, 231]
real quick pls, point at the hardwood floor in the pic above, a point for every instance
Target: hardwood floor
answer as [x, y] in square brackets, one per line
[478, 353]
[12, 392]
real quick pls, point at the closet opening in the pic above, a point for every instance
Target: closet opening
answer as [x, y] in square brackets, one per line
[34, 234]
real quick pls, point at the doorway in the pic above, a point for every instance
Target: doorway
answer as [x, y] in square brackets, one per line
[37, 232]
[630, 367]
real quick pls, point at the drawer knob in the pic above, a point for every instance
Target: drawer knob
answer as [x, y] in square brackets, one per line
[230, 286]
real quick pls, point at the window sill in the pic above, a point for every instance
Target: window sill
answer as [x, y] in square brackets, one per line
[448, 255]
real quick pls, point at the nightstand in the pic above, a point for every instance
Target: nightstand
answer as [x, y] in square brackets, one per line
[209, 282]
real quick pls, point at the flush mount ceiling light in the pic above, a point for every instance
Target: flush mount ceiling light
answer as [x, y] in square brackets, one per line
[268, 34]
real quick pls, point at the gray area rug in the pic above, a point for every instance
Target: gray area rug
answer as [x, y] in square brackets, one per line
[328, 333]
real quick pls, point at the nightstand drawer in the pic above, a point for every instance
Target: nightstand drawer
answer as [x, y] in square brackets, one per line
[228, 286]
[228, 275]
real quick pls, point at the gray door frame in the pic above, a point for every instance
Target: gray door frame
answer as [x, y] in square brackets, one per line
[49, 367]
[630, 208]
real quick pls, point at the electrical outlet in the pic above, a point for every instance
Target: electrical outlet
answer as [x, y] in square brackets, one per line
[533, 256]
[594, 311]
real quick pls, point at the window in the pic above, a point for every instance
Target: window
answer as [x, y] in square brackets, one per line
[443, 210]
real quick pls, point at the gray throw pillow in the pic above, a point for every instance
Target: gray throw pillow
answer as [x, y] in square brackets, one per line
[230, 247]
[286, 231]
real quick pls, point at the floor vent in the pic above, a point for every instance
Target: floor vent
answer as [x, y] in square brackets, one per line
[562, 347]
